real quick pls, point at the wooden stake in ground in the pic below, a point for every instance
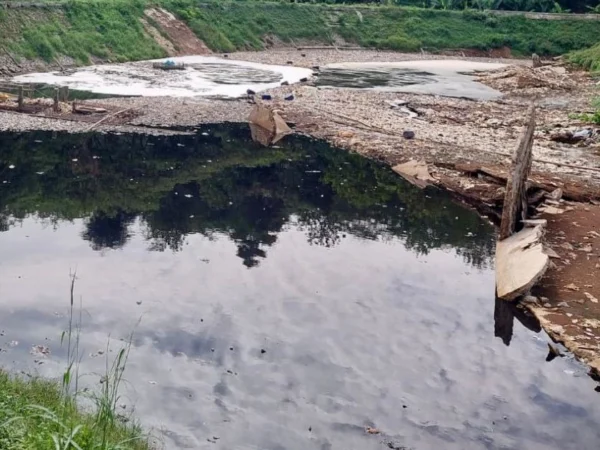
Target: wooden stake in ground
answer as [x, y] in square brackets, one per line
[20, 100]
[515, 199]
[520, 257]
[56, 107]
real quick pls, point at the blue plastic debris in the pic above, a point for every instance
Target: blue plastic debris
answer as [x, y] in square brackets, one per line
[289, 97]
[266, 97]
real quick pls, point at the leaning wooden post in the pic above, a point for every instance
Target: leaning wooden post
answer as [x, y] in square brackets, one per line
[515, 199]
[20, 101]
[64, 95]
[56, 97]
[520, 257]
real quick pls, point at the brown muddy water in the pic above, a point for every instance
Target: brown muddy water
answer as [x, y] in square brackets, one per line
[287, 298]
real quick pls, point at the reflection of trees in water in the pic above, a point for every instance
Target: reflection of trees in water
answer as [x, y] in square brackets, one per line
[108, 231]
[223, 183]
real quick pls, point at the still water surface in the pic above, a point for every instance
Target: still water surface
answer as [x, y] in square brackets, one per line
[450, 78]
[287, 298]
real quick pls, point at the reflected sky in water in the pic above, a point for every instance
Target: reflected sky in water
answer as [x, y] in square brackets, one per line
[287, 298]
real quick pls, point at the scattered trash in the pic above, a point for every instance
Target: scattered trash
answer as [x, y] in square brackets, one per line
[556, 194]
[408, 134]
[530, 299]
[372, 430]
[285, 83]
[289, 97]
[266, 97]
[547, 209]
[415, 172]
[40, 350]
[267, 126]
[303, 80]
[551, 253]
[572, 287]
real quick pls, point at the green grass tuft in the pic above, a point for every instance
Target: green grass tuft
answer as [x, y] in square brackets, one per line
[36, 415]
[588, 58]
[39, 414]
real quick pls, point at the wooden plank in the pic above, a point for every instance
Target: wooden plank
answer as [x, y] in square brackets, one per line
[520, 262]
[515, 199]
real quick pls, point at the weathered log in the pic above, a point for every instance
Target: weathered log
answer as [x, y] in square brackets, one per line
[515, 200]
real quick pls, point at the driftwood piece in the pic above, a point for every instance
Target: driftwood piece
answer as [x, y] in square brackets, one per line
[515, 200]
[106, 118]
[520, 262]
[415, 172]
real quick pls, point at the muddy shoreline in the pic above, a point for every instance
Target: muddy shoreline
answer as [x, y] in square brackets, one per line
[465, 144]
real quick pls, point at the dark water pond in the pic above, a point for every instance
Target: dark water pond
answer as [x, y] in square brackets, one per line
[289, 297]
[444, 78]
[373, 77]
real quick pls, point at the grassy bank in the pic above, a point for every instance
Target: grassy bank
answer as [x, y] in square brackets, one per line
[111, 29]
[230, 26]
[588, 58]
[35, 414]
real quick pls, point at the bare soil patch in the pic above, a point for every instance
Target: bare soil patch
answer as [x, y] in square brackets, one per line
[183, 40]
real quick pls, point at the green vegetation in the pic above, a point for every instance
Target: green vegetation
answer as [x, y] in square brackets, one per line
[228, 26]
[38, 414]
[437, 30]
[111, 29]
[588, 58]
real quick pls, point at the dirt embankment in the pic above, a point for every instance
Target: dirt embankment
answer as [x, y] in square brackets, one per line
[173, 35]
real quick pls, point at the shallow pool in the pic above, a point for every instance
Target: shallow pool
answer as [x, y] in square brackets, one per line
[287, 298]
[450, 78]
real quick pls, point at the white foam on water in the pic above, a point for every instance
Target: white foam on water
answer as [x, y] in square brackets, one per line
[140, 79]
